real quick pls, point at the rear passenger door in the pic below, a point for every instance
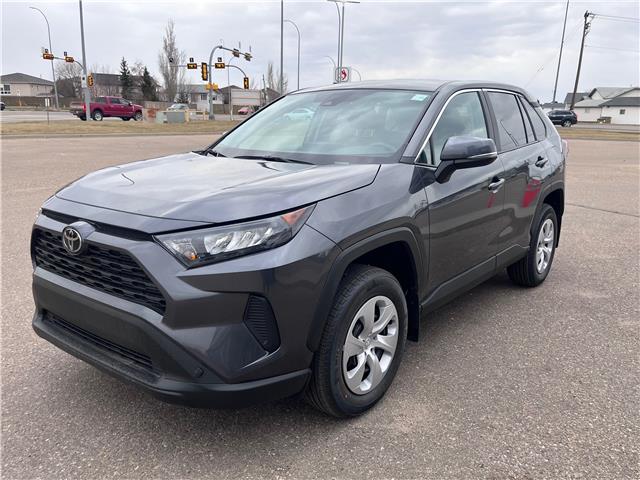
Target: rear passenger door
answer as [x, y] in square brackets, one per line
[522, 151]
[465, 211]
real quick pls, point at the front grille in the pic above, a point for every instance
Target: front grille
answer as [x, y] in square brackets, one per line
[102, 268]
[137, 358]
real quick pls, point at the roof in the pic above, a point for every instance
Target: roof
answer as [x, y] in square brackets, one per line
[24, 78]
[622, 102]
[589, 103]
[425, 85]
[553, 105]
[610, 92]
[579, 96]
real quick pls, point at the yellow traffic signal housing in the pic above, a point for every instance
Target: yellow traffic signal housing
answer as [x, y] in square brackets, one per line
[90, 80]
[204, 69]
[246, 83]
[192, 66]
[47, 56]
[219, 65]
[69, 59]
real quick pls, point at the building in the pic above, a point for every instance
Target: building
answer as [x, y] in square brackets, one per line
[23, 85]
[618, 105]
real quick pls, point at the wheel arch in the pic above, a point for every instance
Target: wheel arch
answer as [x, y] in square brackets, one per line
[396, 251]
[555, 198]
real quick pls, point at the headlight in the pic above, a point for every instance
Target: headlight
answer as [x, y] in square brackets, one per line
[209, 245]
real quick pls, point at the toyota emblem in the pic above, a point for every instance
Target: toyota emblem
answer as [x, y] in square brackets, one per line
[72, 240]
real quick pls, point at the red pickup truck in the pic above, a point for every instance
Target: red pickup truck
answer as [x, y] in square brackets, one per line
[108, 107]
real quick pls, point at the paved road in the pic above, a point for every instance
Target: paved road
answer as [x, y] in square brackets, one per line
[10, 116]
[506, 383]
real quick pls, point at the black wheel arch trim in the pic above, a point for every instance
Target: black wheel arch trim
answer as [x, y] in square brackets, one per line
[553, 187]
[346, 257]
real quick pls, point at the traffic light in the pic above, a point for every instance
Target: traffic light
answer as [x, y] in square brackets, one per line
[246, 83]
[68, 59]
[236, 52]
[192, 65]
[47, 55]
[218, 65]
[248, 57]
[204, 69]
[90, 80]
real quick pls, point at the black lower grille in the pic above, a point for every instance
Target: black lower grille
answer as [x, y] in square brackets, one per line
[139, 359]
[102, 268]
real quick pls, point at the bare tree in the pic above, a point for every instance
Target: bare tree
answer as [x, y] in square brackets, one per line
[137, 68]
[273, 79]
[68, 79]
[169, 57]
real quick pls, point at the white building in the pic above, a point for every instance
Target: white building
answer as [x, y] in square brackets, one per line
[621, 105]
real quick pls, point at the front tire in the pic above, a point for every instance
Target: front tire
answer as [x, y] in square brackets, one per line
[362, 343]
[138, 116]
[533, 269]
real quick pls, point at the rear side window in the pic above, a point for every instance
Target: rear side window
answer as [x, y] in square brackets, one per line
[536, 121]
[511, 132]
[527, 124]
[463, 116]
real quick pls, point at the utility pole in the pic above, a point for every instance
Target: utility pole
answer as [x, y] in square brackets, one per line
[85, 88]
[281, 47]
[585, 31]
[53, 72]
[564, 27]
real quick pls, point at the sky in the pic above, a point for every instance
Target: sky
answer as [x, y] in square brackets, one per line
[507, 41]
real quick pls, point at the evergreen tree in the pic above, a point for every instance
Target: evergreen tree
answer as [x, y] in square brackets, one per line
[126, 81]
[148, 86]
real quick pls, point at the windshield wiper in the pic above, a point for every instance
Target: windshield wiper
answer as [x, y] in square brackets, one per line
[271, 158]
[215, 153]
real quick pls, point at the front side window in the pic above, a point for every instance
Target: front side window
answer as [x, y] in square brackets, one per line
[346, 125]
[100, 100]
[511, 132]
[463, 116]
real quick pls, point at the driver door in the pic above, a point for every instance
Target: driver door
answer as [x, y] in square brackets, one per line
[465, 211]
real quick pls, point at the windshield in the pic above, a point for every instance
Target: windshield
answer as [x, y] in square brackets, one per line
[350, 125]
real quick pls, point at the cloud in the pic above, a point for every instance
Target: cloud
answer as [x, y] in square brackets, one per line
[493, 40]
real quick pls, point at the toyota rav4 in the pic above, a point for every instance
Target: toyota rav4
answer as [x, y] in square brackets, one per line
[298, 253]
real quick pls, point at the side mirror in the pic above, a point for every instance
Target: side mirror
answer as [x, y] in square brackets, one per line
[464, 152]
[130, 103]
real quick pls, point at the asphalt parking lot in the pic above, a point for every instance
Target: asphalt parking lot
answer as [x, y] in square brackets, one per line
[505, 383]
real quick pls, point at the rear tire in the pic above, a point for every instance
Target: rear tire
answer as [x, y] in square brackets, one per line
[566, 123]
[362, 343]
[97, 115]
[533, 269]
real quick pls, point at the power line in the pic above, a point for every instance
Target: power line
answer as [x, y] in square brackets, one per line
[617, 17]
[613, 48]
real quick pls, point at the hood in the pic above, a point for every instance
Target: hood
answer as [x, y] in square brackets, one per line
[214, 189]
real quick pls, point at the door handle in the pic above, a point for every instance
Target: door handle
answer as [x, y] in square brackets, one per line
[541, 162]
[495, 185]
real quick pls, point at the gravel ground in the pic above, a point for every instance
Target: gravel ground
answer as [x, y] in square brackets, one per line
[505, 383]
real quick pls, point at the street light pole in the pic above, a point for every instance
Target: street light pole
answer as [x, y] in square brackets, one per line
[53, 72]
[298, 30]
[87, 92]
[281, 46]
[564, 27]
[341, 34]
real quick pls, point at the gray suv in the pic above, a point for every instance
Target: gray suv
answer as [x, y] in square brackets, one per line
[298, 253]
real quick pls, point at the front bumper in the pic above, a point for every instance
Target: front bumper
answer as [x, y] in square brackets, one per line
[199, 351]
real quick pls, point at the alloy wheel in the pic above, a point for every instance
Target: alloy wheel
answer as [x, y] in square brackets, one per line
[370, 345]
[546, 239]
